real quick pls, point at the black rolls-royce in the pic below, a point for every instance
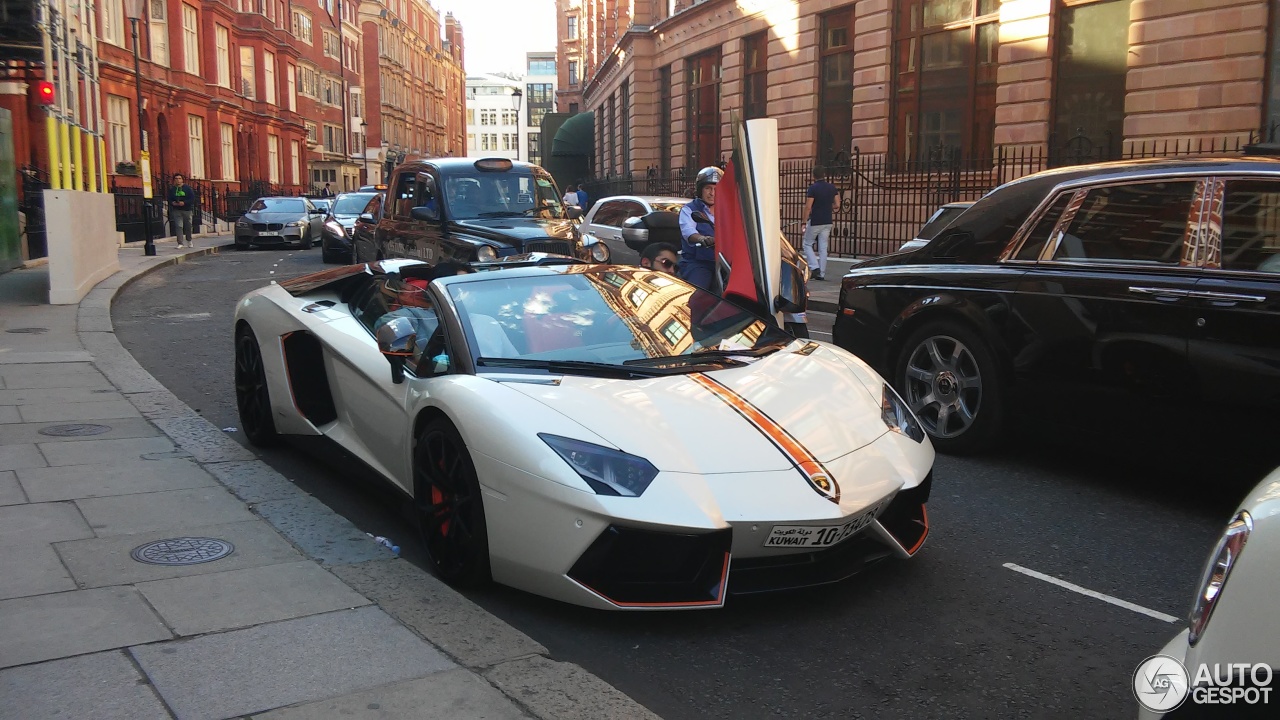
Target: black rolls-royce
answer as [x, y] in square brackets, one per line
[1140, 295]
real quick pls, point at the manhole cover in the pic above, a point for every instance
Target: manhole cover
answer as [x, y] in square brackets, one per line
[182, 551]
[28, 331]
[75, 430]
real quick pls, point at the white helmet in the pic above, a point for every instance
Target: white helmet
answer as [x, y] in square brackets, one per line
[709, 175]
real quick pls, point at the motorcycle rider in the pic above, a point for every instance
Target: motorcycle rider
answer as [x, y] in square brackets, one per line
[697, 244]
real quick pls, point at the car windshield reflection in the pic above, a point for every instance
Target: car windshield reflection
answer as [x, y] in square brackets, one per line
[609, 316]
[478, 195]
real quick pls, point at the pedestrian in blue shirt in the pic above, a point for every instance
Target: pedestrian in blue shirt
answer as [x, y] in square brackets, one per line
[582, 198]
[820, 202]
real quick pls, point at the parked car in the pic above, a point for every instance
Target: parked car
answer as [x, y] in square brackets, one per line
[1093, 293]
[323, 204]
[339, 225]
[607, 218]
[1232, 619]
[937, 222]
[276, 221]
[662, 453]
[468, 210]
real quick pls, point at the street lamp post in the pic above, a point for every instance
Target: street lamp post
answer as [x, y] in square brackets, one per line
[516, 97]
[364, 150]
[134, 9]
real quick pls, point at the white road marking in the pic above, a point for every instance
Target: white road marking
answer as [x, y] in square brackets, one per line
[819, 332]
[1095, 595]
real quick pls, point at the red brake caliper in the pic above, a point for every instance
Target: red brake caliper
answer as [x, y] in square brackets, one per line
[437, 499]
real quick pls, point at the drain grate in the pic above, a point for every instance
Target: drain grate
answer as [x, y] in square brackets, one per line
[182, 551]
[28, 330]
[75, 430]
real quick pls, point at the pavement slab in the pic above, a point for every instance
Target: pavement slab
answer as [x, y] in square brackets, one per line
[439, 613]
[253, 481]
[205, 441]
[44, 356]
[16, 457]
[78, 411]
[117, 364]
[173, 509]
[450, 694]
[32, 569]
[117, 429]
[107, 686]
[41, 523]
[157, 404]
[240, 598]
[58, 375]
[47, 627]
[295, 661]
[554, 690]
[10, 491]
[68, 482]
[320, 532]
[28, 396]
[84, 452]
[106, 561]
[9, 414]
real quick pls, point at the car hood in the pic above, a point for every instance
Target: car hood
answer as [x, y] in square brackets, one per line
[509, 229]
[680, 425]
[346, 221]
[270, 217]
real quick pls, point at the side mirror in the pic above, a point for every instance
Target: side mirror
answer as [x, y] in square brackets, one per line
[793, 292]
[396, 341]
[634, 231]
[365, 218]
[701, 217]
[425, 212]
[573, 212]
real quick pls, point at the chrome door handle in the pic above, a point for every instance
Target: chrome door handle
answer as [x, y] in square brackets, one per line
[1226, 297]
[1160, 292]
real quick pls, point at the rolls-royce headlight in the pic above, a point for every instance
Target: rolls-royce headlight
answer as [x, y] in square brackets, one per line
[486, 253]
[1215, 575]
[607, 471]
[896, 414]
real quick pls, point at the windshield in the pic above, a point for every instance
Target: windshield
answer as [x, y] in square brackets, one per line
[351, 204]
[615, 316]
[508, 194]
[279, 205]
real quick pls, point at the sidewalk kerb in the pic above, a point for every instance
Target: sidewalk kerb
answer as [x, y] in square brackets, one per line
[565, 681]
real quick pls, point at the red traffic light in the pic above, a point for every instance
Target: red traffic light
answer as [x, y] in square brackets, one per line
[44, 92]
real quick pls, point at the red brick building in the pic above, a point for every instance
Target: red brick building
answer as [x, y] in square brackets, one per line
[902, 77]
[414, 83]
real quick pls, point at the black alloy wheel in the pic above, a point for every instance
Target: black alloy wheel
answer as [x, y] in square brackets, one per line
[252, 396]
[305, 242]
[947, 375]
[446, 498]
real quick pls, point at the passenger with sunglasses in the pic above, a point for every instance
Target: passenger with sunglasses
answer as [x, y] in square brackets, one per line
[660, 256]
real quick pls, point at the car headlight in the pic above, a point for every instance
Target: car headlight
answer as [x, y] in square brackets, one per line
[242, 223]
[486, 253]
[336, 228]
[600, 252]
[302, 223]
[607, 471]
[896, 414]
[1221, 561]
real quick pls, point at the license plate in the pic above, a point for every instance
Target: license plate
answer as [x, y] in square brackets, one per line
[266, 233]
[808, 536]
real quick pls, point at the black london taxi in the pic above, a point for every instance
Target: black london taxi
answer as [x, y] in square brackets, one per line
[471, 210]
[1137, 298]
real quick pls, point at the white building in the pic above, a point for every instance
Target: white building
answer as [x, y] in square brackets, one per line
[539, 99]
[495, 121]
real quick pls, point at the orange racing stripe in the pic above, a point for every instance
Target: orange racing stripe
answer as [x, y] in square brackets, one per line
[809, 466]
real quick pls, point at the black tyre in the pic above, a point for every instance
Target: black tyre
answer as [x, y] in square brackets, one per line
[449, 507]
[305, 242]
[325, 256]
[252, 396]
[947, 374]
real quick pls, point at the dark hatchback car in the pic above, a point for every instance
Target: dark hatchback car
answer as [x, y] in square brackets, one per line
[339, 226]
[473, 210]
[1134, 296]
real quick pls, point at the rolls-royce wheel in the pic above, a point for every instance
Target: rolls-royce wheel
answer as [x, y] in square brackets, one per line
[947, 375]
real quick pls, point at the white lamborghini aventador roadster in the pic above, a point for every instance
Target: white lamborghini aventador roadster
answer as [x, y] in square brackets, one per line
[606, 436]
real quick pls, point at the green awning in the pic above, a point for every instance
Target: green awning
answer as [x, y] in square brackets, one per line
[576, 136]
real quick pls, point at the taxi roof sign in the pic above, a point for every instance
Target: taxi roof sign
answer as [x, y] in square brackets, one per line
[493, 164]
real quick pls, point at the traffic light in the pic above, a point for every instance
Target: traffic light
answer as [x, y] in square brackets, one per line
[44, 93]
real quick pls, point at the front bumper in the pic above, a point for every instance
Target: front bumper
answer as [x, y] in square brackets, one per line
[335, 243]
[284, 236]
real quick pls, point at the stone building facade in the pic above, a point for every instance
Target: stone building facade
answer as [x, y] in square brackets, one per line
[907, 77]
